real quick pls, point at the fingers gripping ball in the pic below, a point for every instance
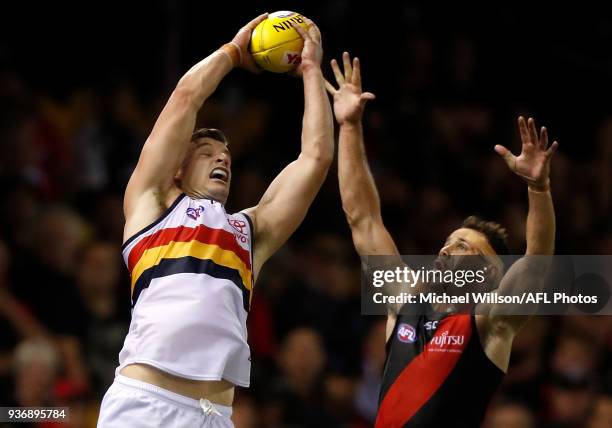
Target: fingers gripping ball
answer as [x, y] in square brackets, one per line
[275, 45]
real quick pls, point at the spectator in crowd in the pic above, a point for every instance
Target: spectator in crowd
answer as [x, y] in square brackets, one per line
[302, 361]
[601, 416]
[245, 413]
[98, 279]
[368, 389]
[36, 369]
[510, 415]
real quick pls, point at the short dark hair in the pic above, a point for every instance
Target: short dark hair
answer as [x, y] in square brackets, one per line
[212, 133]
[495, 233]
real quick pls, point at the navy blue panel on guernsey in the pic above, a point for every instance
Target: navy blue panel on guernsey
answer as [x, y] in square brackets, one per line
[190, 265]
[251, 244]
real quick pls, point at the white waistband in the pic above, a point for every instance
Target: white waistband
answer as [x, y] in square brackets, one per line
[171, 396]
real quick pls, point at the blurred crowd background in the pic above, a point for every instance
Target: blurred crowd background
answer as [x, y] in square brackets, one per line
[81, 86]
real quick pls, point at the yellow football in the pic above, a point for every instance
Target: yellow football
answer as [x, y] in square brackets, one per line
[275, 45]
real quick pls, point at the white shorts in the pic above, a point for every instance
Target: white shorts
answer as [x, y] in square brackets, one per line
[136, 404]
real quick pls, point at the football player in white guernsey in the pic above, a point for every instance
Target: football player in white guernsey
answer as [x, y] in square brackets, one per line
[156, 383]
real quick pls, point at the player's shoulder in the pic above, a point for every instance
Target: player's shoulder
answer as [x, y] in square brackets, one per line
[146, 210]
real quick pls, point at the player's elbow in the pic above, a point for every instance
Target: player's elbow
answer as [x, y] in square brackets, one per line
[356, 211]
[184, 96]
[318, 146]
[326, 156]
[358, 216]
[317, 161]
[323, 160]
[365, 237]
[322, 154]
[353, 213]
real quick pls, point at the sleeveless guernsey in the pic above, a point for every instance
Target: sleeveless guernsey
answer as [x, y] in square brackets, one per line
[191, 282]
[436, 374]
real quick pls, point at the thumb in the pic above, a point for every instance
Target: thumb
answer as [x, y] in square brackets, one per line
[330, 88]
[365, 97]
[552, 149]
[509, 158]
[368, 96]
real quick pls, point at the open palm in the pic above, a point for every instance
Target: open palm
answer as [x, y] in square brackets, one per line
[349, 100]
[533, 164]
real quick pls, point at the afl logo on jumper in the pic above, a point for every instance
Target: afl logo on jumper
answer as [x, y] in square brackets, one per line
[195, 213]
[406, 333]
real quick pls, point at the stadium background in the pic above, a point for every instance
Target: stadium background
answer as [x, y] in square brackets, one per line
[81, 85]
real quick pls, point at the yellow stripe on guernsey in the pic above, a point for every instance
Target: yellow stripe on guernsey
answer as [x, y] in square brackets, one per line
[174, 250]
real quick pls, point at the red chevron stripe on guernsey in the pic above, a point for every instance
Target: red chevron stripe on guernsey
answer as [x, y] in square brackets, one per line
[202, 233]
[420, 379]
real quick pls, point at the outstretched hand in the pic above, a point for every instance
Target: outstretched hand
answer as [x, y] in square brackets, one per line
[349, 100]
[533, 164]
[242, 39]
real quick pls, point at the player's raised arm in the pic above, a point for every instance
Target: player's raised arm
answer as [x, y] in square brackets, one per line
[360, 200]
[147, 191]
[285, 203]
[533, 166]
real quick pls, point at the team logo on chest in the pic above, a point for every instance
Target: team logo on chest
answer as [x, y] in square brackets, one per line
[195, 213]
[406, 333]
[446, 342]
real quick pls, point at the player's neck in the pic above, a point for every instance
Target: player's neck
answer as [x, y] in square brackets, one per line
[196, 194]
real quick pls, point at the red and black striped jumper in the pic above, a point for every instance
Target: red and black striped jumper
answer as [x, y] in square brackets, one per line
[436, 374]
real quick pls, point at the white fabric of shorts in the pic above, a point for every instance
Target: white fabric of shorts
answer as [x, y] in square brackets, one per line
[136, 404]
